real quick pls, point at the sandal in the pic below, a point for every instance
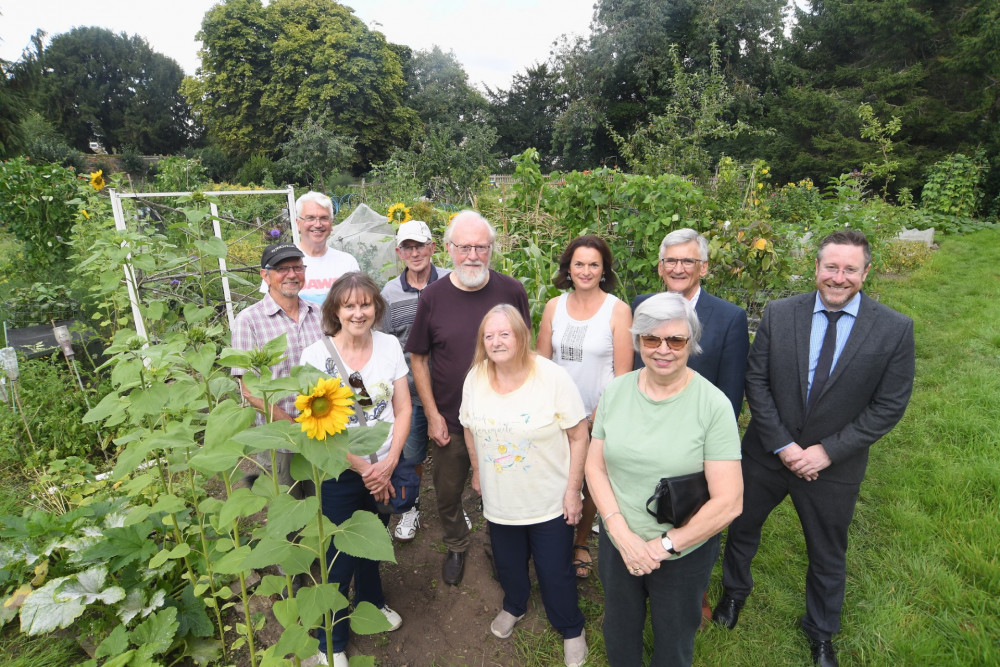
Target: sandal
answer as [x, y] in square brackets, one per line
[583, 567]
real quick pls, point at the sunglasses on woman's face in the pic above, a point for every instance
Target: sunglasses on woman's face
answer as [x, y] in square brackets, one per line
[358, 384]
[675, 343]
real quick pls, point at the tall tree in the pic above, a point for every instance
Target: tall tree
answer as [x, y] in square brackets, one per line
[93, 84]
[437, 88]
[933, 64]
[524, 116]
[266, 69]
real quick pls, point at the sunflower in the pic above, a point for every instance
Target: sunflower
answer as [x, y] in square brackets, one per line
[97, 180]
[326, 409]
[398, 213]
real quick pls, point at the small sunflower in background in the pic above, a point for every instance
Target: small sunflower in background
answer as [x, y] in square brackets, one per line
[398, 214]
[325, 410]
[97, 180]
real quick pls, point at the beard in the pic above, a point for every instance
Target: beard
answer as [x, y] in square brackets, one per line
[472, 277]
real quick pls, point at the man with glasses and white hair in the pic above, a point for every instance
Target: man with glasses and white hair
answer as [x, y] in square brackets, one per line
[441, 345]
[415, 246]
[725, 339]
[314, 217]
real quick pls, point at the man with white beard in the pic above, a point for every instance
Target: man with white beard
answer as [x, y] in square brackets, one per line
[441, 345]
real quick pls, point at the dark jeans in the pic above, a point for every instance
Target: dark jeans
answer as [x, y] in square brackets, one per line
[451, 471]
[341, 498]
[550, 544]
[674, 592]
[825, 511]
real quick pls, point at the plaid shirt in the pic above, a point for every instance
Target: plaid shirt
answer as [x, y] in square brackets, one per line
[265, 321]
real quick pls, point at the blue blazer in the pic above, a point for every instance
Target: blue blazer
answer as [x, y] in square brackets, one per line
[725, 343]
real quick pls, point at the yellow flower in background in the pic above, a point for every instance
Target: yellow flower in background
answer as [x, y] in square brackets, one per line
[760, 186]
[765, 171]
[760, 244]
[97, 180]
[398, 214]
[325, 410]
[85, 214]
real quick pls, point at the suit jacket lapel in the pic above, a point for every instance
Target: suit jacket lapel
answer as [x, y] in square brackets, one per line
[803, 331]
[703, 309]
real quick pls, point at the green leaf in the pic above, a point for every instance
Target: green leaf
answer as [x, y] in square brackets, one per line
[88, 587]
[122, 546]
[364, 535]
[315, 600]
[213, 246]
[180, 551]
[225, 421]
[270, 585]
[135, 604]
[232, 562]
[168, 503]
[242, 502]
[204, 650]
[367, 619]
[286, 612]
[365, 441]
[221, 457]
[269, 551]
[157, 632]
[328, 455]
[147, 400]
[192, 616]
[286, 514]
[193, 314]
[296, 639]
[44, 611]
[276, 435]
[115, 643]
[111, 404]
[202, 359]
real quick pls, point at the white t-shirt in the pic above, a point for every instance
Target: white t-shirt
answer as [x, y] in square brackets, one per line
[385, 366]
[521, 443]
[585, 348]
[322, 272]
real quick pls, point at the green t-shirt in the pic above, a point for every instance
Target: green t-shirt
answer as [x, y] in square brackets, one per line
[645, 440]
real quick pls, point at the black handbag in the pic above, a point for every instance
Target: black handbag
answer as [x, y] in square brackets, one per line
[678, 498]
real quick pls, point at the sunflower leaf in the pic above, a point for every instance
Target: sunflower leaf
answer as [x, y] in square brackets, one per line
[242, 502]
[225, 421]
[364, 535]
[367, 619]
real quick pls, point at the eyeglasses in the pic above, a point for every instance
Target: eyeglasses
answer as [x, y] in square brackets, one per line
[315, 218]
[467, 249]
[410, 249]
[686, 262]
[675, 343]
[833, 270]
[357, 383]
[285, 270]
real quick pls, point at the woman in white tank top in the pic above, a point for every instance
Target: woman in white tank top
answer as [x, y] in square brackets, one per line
[586, 331]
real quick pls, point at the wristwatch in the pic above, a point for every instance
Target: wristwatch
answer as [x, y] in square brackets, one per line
[668, 545]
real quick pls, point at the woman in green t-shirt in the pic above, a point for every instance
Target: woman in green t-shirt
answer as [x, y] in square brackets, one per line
[661, 421]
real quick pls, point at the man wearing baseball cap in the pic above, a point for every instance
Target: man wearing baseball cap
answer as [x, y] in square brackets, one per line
[415, 246]
[280, 311]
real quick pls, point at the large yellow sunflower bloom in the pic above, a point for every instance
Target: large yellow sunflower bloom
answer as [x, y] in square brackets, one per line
[325, 410]
[97, 180]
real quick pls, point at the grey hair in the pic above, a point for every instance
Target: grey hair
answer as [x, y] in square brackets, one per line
[316, 197]
[660, 309]
[468, 214]
[685, 235]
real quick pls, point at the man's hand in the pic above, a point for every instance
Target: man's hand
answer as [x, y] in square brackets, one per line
[810, 462]
[437, 428]
[790, 455]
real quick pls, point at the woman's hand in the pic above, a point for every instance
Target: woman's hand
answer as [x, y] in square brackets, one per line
[655, 550]
[631, 547]
[475, 481]
[378, 479]
[572, 507]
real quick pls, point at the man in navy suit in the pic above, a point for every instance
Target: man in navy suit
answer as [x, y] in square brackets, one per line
[724, 338]
[830, 372]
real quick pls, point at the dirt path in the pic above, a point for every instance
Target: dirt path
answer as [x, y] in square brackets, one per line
[443, 626]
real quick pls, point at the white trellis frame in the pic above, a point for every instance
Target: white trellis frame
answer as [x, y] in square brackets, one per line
[130, 281]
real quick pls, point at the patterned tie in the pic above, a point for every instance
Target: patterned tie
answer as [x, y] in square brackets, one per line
[822, 373]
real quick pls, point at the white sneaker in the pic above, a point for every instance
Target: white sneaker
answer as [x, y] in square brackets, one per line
[339, 660]
[575, 650]
[395, 620]
[468, 521]
[503, 625]
[406, 529]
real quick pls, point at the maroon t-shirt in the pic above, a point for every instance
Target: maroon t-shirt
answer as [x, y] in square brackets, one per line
[445, 328]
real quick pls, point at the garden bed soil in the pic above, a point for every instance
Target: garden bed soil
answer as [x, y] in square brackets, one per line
[443, 625]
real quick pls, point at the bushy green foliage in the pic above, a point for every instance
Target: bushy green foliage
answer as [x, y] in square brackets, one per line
[179, 174]
[953, 185]
[54, 406]
[259, 170]
[38, 204]
[42, 143]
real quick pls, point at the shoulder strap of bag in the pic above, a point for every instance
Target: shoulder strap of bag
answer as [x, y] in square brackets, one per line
[332, 349]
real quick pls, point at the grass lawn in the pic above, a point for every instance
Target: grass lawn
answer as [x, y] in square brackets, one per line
[923, 584]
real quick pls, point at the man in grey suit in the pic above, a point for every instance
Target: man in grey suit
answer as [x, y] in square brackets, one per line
[724, 339]
[830, 372]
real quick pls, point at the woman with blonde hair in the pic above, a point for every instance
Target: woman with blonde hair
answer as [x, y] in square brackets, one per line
[526, 432]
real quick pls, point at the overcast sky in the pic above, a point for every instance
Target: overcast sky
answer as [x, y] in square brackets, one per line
[493, 39]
